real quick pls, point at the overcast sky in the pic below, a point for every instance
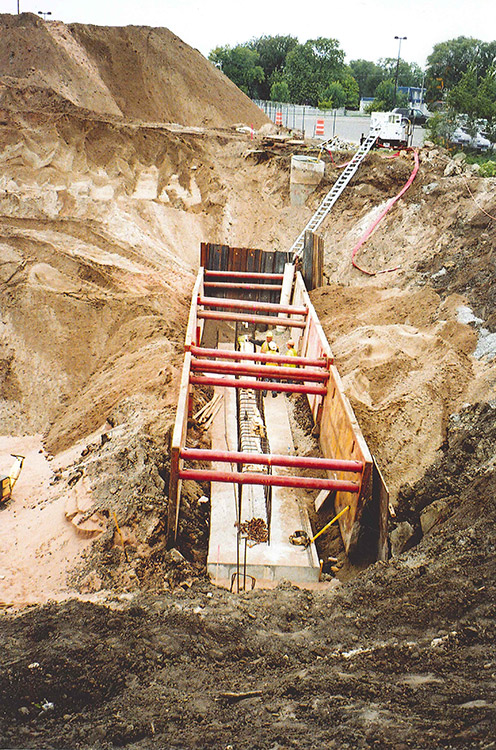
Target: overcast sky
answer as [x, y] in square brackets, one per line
[364, 28]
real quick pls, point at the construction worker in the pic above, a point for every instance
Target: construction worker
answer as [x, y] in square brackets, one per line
[266, 347]
[290, 352]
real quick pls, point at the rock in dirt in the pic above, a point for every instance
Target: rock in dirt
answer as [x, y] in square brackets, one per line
[400, 536]
[433, 513]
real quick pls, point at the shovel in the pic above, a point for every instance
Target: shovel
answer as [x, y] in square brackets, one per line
[301, 538]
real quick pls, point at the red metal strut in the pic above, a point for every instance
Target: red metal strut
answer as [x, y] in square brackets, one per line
[247, 287]
[243, 275]
[268, 319]
[265, 371]
[258, 385]
[269, 480]
[253, 305]
[199, 351]
[271, 459]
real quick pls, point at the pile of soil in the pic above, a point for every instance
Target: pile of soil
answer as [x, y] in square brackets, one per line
[135, 71]
[111, 639]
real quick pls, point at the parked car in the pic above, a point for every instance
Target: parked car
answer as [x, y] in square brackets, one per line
[480, 142]
[460, 137]
[416, 116]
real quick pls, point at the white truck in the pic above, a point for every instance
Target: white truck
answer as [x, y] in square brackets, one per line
[395, 130]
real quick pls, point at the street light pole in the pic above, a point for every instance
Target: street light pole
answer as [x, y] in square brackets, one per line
[400, 39]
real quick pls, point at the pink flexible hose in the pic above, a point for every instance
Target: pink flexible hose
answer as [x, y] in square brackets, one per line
[371, 229]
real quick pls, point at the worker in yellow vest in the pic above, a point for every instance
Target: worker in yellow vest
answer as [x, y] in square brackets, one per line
[268, 346]
[290, 352]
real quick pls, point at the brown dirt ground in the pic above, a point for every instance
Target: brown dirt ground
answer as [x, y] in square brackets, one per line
[103, 204]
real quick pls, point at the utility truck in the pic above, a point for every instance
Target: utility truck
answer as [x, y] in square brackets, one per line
[393, 129]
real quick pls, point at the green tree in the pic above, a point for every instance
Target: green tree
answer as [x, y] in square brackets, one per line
[447, 64]
[311, 67]
[279, 92]
[351, 90]
[333, 97]
[368, 76]
[385, 99]
[272, 52]
[475, 98]
[409, 74]
[240, 64]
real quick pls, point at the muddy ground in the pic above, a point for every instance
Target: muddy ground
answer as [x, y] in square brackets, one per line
[103, 204]
[402, 657]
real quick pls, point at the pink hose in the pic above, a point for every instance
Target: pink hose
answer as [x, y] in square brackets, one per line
[371, 229]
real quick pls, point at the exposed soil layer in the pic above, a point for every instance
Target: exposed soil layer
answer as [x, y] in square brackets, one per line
[402, 657]
[108, 638]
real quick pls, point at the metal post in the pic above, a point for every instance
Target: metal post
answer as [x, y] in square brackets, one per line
[400, 39]
[244, 564]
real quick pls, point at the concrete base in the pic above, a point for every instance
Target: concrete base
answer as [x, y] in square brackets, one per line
[279, 559]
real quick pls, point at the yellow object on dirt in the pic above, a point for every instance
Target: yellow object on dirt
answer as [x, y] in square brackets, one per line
[7, 481]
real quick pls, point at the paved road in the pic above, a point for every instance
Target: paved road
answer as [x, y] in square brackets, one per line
[349, 127]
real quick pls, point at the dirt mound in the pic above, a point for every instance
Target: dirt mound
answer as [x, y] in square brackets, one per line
[406, 366]
[140, 72]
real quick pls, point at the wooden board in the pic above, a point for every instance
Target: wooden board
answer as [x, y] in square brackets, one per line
[339, 433]
[181, 423]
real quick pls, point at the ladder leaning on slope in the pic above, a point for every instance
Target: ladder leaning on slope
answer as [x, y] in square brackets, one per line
[335, 191]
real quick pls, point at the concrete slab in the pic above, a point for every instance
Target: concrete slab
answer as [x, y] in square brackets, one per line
[279, 559]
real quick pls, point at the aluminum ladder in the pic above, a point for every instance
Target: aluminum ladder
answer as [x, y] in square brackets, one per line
[336, 190]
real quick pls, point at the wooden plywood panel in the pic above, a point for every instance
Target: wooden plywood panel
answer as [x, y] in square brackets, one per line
[181, 423]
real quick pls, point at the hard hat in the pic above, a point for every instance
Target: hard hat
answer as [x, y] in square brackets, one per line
[290, 342]
[273, 346]
[269, 335]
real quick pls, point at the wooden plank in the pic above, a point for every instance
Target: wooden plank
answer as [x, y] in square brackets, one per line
[307, 260]
[340, 435]
[181, 422]
[380, 494]
[287, 287]
[321, 499]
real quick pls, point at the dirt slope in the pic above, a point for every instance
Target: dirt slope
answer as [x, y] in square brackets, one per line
[101, 217]
[139, 72]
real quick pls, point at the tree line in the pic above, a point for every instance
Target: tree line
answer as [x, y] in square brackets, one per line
[460, 76]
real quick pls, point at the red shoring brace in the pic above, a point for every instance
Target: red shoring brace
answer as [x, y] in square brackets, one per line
[199, 351]
[269, 480]
[244, 275]
[272, 459]
[258, 385]
[265, 371]
[252, 305]
[266, 319]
